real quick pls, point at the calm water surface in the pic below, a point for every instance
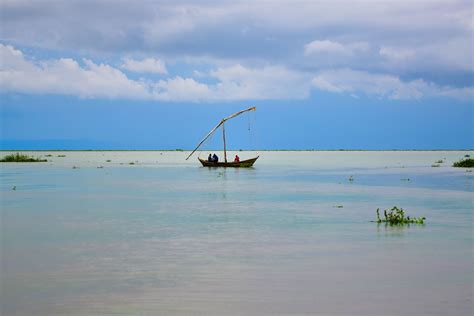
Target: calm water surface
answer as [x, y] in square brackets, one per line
[164, 236]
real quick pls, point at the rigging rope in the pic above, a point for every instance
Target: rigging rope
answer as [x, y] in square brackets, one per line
[252, 132]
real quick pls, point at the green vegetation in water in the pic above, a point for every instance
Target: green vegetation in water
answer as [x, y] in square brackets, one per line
[61, 155]
[405, 179]
[131, 163]
[21, 158]
[439, 161]
[48, 155]
[338, 206]
[467, 156]
[108, 160]
[14, 188]
[464, 163]
[396, 216]
[435, 166]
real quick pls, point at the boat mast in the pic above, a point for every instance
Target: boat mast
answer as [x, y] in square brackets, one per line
[217, 126]
[223, 137]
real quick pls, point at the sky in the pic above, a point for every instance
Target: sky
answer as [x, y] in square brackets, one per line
[143, 74]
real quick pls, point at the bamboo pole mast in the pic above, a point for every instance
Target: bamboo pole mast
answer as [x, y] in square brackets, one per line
[223, 137]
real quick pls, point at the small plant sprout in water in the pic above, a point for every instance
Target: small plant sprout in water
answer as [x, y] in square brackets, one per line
[439, 161]
[351, 178]
[396, 216]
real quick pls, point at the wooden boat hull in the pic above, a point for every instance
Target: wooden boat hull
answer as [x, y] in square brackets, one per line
[241, 164]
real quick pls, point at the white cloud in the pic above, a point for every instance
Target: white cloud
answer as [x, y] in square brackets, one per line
[11, 58]
[270, 82]
[384, 86]
[147, 65]
[323, 47]
[465, 93]
[64, 76]
[396, 54]
[237, 82]
[180, 89]
[333, 47]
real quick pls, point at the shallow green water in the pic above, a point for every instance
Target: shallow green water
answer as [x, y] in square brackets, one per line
[166, 236]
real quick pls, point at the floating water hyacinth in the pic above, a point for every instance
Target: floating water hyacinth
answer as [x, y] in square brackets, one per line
[396, 216]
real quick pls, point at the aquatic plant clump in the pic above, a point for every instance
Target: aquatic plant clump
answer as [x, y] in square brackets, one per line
[21, 158]
[464, 163]
[396, 216]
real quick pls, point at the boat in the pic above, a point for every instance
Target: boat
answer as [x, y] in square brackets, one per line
[233, 164]
[242, 164]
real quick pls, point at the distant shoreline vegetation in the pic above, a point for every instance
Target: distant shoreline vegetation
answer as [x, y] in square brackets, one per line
[21, 158]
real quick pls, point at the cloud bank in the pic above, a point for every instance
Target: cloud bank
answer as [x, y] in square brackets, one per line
[87, 79]
[250, 50]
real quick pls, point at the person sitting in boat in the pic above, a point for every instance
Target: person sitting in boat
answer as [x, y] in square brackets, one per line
[209, 158]
[215, 158]
[236, 159]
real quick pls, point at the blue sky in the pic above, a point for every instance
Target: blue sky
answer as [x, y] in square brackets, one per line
[159, 75]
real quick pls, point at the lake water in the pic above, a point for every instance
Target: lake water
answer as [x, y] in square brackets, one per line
[293, 235]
